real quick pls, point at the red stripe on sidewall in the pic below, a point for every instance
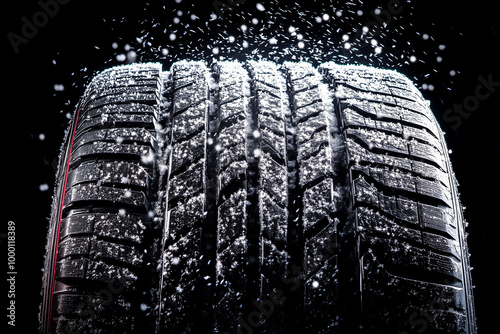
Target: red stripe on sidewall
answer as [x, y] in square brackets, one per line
[60, 217]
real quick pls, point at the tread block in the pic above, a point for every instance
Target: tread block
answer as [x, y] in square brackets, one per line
[121, 227]
[322, 289]
[106, 121]
[438, 219]
[192, 120]
[117, 135]
[274, 221]
[187, 97]
[393, 205]
[273, 261]
[177, 318]
[232, 111]
[121, 109]
[397, 181]
[131, 97]
[181, 260]
[185, 216]
[235, 172]
[315, 167]
[232, 218]
[230, 273]
[319, 248]
[273, 179]
[394, 302]
[188, 183]
[273, 143]
[372, 223]
[95, 150]
[318, 203]
[114, 172]
[187, 152]
[79, 270]
[414, 261]
[88, 193]
[99, 249]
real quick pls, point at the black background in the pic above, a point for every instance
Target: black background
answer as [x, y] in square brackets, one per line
[77, 41]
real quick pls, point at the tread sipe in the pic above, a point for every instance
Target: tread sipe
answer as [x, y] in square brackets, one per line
[255, 198]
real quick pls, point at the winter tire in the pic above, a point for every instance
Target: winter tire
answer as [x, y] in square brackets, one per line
[255, 198]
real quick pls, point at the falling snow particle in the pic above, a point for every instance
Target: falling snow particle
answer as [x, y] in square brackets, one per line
[315, 284]
[442, 47]
[41, 136]
[131, 56]
[260, 7]
[59, 87]
[413, 59]
[44, 187]
[172, 37]
[453, 73]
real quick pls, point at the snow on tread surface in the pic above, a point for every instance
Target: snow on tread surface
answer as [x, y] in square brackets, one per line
[105, 202]
[399, 177]
[235, 197]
